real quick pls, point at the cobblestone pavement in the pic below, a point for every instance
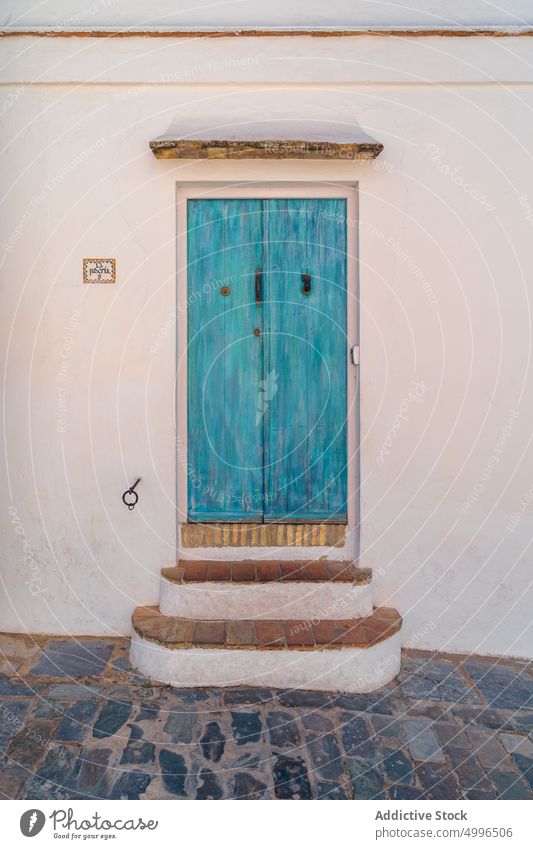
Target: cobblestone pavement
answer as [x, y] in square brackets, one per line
[77, 723]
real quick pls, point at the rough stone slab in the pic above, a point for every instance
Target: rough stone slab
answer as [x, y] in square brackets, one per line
[422, 741]
[262, 149]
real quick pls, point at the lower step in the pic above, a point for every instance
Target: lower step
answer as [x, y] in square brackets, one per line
[357, 655]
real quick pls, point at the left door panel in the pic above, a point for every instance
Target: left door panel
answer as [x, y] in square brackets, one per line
[224, 360]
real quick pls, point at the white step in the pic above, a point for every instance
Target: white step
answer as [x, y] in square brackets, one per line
[283, 599]
[160, 650]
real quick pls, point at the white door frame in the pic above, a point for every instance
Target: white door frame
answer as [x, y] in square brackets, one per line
[186, 191]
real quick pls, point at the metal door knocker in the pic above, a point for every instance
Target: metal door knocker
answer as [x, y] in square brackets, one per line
[306, 280]
[131, 494]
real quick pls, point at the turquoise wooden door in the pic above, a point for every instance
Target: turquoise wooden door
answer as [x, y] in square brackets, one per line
[267, 354]
[306, 349]
[224, 360]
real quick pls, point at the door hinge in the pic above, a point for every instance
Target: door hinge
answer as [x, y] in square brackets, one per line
[354, 354]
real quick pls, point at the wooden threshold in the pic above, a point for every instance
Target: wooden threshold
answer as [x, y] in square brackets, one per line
[229, 534]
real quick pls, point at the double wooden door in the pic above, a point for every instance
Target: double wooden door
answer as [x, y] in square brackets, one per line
[266, 360]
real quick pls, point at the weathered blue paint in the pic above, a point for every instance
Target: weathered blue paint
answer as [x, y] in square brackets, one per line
[225, 451]
[266, 413]
[305, 348]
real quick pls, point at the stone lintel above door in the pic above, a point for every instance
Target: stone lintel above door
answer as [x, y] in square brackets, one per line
[267, 140]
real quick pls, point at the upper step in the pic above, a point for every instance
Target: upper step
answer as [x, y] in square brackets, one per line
[263, 571]
[266, 590]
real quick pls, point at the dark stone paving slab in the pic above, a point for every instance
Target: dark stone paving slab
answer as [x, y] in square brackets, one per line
[404, 792]
[467, 769]
[282, 729]
[29, 744]
[330, 790]
[53, 779]
[15, 687]
[246, 727]
[306, 699]
[291, 779]
[422, 740]
[509, 785]
[12, 779]
[325, 756]
[111, 719]
[73, 659]
[387, 728]
[397, 766]
[525, 767]
[137, 750]
[73, 691]
[91, 771]
[49, 709]
[213, 742]
[435, 679]
[248, 787]
[181, 725]
[130, 785]
[247, 696]
[447, 728]
[502, 685]
[12, 714]
[173, 772]
[209, 787]
[438, 781]
[366, 779]
[77, 720]
[357, 736]
[148, 711]
[365, 703]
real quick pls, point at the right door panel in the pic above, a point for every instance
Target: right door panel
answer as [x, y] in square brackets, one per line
[305, 350]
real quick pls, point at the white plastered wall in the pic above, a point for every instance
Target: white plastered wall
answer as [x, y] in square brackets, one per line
[253, 14]
[445, 277]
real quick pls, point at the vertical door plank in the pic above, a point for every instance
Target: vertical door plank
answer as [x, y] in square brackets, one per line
[225, 450]
[305, 360]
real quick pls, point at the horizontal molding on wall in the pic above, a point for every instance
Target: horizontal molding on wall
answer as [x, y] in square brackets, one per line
[508, 32]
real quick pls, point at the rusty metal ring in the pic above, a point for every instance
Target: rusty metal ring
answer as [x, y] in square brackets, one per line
[225, 290]
[130, 504]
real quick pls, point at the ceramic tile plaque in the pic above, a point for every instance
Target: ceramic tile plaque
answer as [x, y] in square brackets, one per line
[99, 270]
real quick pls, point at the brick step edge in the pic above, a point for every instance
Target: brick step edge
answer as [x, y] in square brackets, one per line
[254, 571]
[173, 632]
